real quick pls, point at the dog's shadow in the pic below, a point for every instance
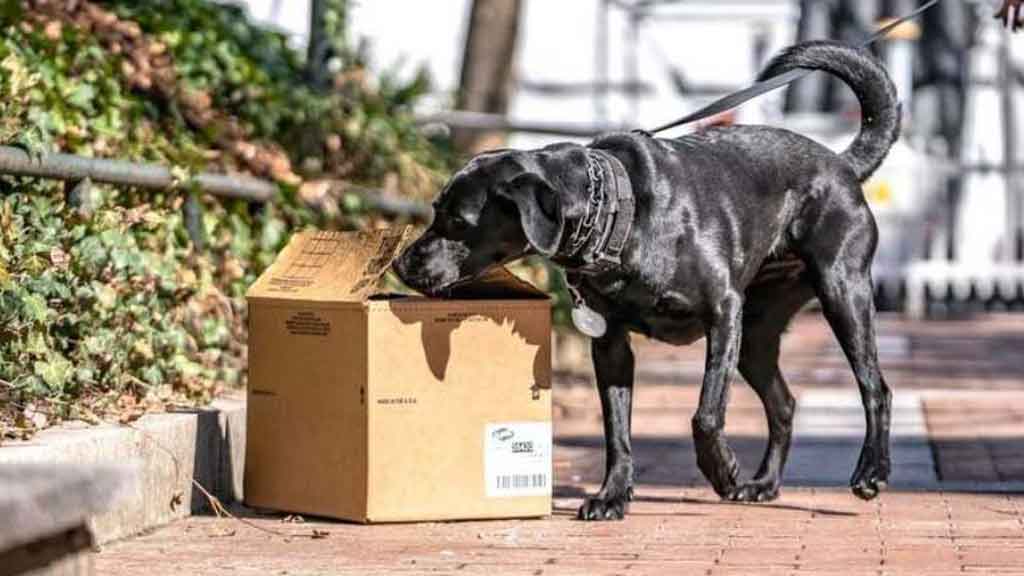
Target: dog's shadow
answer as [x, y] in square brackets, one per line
[507, 305]
[566, 491]
[495, 332]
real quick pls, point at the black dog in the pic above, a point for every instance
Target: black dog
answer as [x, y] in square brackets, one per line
[723, 234]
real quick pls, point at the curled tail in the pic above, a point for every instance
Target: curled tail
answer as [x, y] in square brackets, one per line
[880, 107]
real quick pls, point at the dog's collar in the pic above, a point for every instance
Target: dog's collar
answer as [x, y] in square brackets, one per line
[599, 237]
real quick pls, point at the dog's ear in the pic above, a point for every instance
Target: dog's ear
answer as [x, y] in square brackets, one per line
[540, 211]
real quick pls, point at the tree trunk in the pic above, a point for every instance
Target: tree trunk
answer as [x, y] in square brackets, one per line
[327, 40]
[486, 81]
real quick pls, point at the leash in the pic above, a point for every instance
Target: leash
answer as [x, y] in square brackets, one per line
[735, 99]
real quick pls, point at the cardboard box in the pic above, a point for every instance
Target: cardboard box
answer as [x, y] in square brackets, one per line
[379, 408]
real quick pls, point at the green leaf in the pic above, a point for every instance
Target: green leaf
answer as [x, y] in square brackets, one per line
[82, 97]
[55, 373]
[106, 296]
[35, 308]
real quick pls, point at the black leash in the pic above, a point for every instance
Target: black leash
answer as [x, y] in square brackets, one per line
[735, 99]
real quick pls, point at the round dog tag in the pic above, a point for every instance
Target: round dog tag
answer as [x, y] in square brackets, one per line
[589, 322]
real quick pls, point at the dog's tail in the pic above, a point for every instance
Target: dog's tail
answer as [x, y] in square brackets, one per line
[880, 107]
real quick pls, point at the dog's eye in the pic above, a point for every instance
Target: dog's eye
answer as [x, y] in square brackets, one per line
[458, 223]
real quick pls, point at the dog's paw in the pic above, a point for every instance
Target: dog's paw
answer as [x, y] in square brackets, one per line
[721, 469]
[871, 476]
[723, 476]
[602, 508]
[869, 487]
[755, 491]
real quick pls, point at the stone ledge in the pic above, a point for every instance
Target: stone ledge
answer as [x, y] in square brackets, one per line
[165, 451]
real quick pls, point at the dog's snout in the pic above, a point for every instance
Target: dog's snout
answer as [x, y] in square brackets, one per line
[412, 269]
[401, 266]
[431, 263]
[405, 269]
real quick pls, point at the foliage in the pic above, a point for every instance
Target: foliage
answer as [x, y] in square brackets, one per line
[362, 129]
[111, 309]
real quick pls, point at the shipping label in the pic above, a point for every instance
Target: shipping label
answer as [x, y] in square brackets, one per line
[517, 459]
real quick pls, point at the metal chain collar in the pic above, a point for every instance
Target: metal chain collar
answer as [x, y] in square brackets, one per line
[595, 203]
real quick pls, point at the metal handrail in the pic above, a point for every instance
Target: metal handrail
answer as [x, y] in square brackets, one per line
[73, 168]
[18, 162]
[80, 171]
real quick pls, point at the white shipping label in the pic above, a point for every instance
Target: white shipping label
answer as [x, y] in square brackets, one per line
[517, 459]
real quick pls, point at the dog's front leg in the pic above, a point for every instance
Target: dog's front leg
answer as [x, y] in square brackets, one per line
[613, 364]
[714, 457]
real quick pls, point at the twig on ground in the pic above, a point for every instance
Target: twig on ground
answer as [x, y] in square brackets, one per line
[215, 504]
[222, 512]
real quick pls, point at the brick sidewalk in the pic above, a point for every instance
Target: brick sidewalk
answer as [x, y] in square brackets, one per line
[670, 531]
[978, 438]
[677, 526]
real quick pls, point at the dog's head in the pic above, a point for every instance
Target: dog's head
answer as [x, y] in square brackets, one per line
[502, 206]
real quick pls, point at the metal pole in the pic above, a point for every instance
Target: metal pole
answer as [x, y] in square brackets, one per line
[17, 162]
[1006, 85]
[633, 62]
[80, 172]
[396, 207]
[601, 62]
[477, 121]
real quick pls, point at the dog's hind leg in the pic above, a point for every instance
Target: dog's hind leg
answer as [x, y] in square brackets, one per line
[613, 365]
[767, 312]
[715, 458]
[840, 255]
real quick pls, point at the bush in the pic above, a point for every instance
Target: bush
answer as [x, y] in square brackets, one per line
[112, 311]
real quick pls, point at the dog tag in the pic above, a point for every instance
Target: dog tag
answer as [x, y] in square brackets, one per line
[588, 322]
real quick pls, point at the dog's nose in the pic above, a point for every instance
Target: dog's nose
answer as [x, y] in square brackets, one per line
[409, 273]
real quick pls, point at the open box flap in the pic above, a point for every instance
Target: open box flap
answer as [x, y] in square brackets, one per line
[330, 266]
[347, 267]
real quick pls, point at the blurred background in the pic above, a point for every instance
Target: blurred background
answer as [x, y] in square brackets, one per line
[352, 114]
[948, 199]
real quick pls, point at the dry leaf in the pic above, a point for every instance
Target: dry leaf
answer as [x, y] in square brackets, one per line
[53, 30]
[59, 258]
[313, 192]
[37, 418]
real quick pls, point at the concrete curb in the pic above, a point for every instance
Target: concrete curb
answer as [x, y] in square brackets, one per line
[166, 451]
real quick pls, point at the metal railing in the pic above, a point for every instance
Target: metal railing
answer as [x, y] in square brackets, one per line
[81, 172]
[69, 167]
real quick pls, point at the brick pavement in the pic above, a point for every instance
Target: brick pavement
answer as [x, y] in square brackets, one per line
[978, 438]
[677, 526]
[670, 531]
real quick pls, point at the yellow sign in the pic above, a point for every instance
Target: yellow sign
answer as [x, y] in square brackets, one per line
[878, 193]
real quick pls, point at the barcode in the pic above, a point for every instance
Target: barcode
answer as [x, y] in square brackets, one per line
[520, 481]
